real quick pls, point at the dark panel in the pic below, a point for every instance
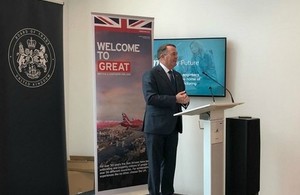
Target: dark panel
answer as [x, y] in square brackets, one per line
[242, 156]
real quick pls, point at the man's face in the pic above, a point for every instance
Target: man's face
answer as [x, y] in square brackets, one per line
[194, 48]
[170, 58]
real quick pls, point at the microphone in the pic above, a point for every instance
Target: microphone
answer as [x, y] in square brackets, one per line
[212, 95]
[219, 84]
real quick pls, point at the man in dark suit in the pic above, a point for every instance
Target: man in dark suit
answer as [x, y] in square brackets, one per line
[164, 93]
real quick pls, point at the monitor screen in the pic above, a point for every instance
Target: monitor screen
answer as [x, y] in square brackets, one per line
[201, 62]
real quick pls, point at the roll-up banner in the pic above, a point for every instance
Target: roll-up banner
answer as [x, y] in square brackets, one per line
[32, 118]
[123, 52]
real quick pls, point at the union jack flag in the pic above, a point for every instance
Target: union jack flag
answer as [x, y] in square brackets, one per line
[117, 24]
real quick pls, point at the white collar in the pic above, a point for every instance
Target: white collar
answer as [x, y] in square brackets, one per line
[164, 67]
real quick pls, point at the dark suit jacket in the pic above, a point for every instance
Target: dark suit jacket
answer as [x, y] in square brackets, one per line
[161, 102]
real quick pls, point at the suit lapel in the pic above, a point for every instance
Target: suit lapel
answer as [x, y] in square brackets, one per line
[176, 77]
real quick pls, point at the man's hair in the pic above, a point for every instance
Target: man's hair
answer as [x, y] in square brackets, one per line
[162, 49]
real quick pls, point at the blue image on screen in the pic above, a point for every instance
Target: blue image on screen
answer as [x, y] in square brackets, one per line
[202, 63]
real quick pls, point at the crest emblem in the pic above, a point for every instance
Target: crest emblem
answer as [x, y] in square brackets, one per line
[31, 58]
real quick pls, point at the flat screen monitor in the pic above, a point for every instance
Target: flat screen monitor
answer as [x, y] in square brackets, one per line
[202, 63]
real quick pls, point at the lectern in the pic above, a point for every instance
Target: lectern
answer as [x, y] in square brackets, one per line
[211, 120]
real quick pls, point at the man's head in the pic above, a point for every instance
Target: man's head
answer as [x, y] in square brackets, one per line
[196, 47]
[167, 55]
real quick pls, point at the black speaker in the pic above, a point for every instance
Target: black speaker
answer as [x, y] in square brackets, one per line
[242, 156]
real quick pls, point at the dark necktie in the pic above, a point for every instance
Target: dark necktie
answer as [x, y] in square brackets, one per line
[171, 75]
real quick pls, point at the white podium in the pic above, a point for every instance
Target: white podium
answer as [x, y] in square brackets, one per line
[211, 120]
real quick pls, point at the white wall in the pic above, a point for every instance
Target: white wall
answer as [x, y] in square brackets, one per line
[263, 69]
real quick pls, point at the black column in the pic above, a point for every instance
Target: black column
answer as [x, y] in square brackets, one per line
[242, 156]
[33, 158]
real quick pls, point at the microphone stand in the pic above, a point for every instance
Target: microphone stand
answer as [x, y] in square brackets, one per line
[212, 95]
[232, 100]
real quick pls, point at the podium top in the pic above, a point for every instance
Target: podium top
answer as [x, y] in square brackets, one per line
[207, 108]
